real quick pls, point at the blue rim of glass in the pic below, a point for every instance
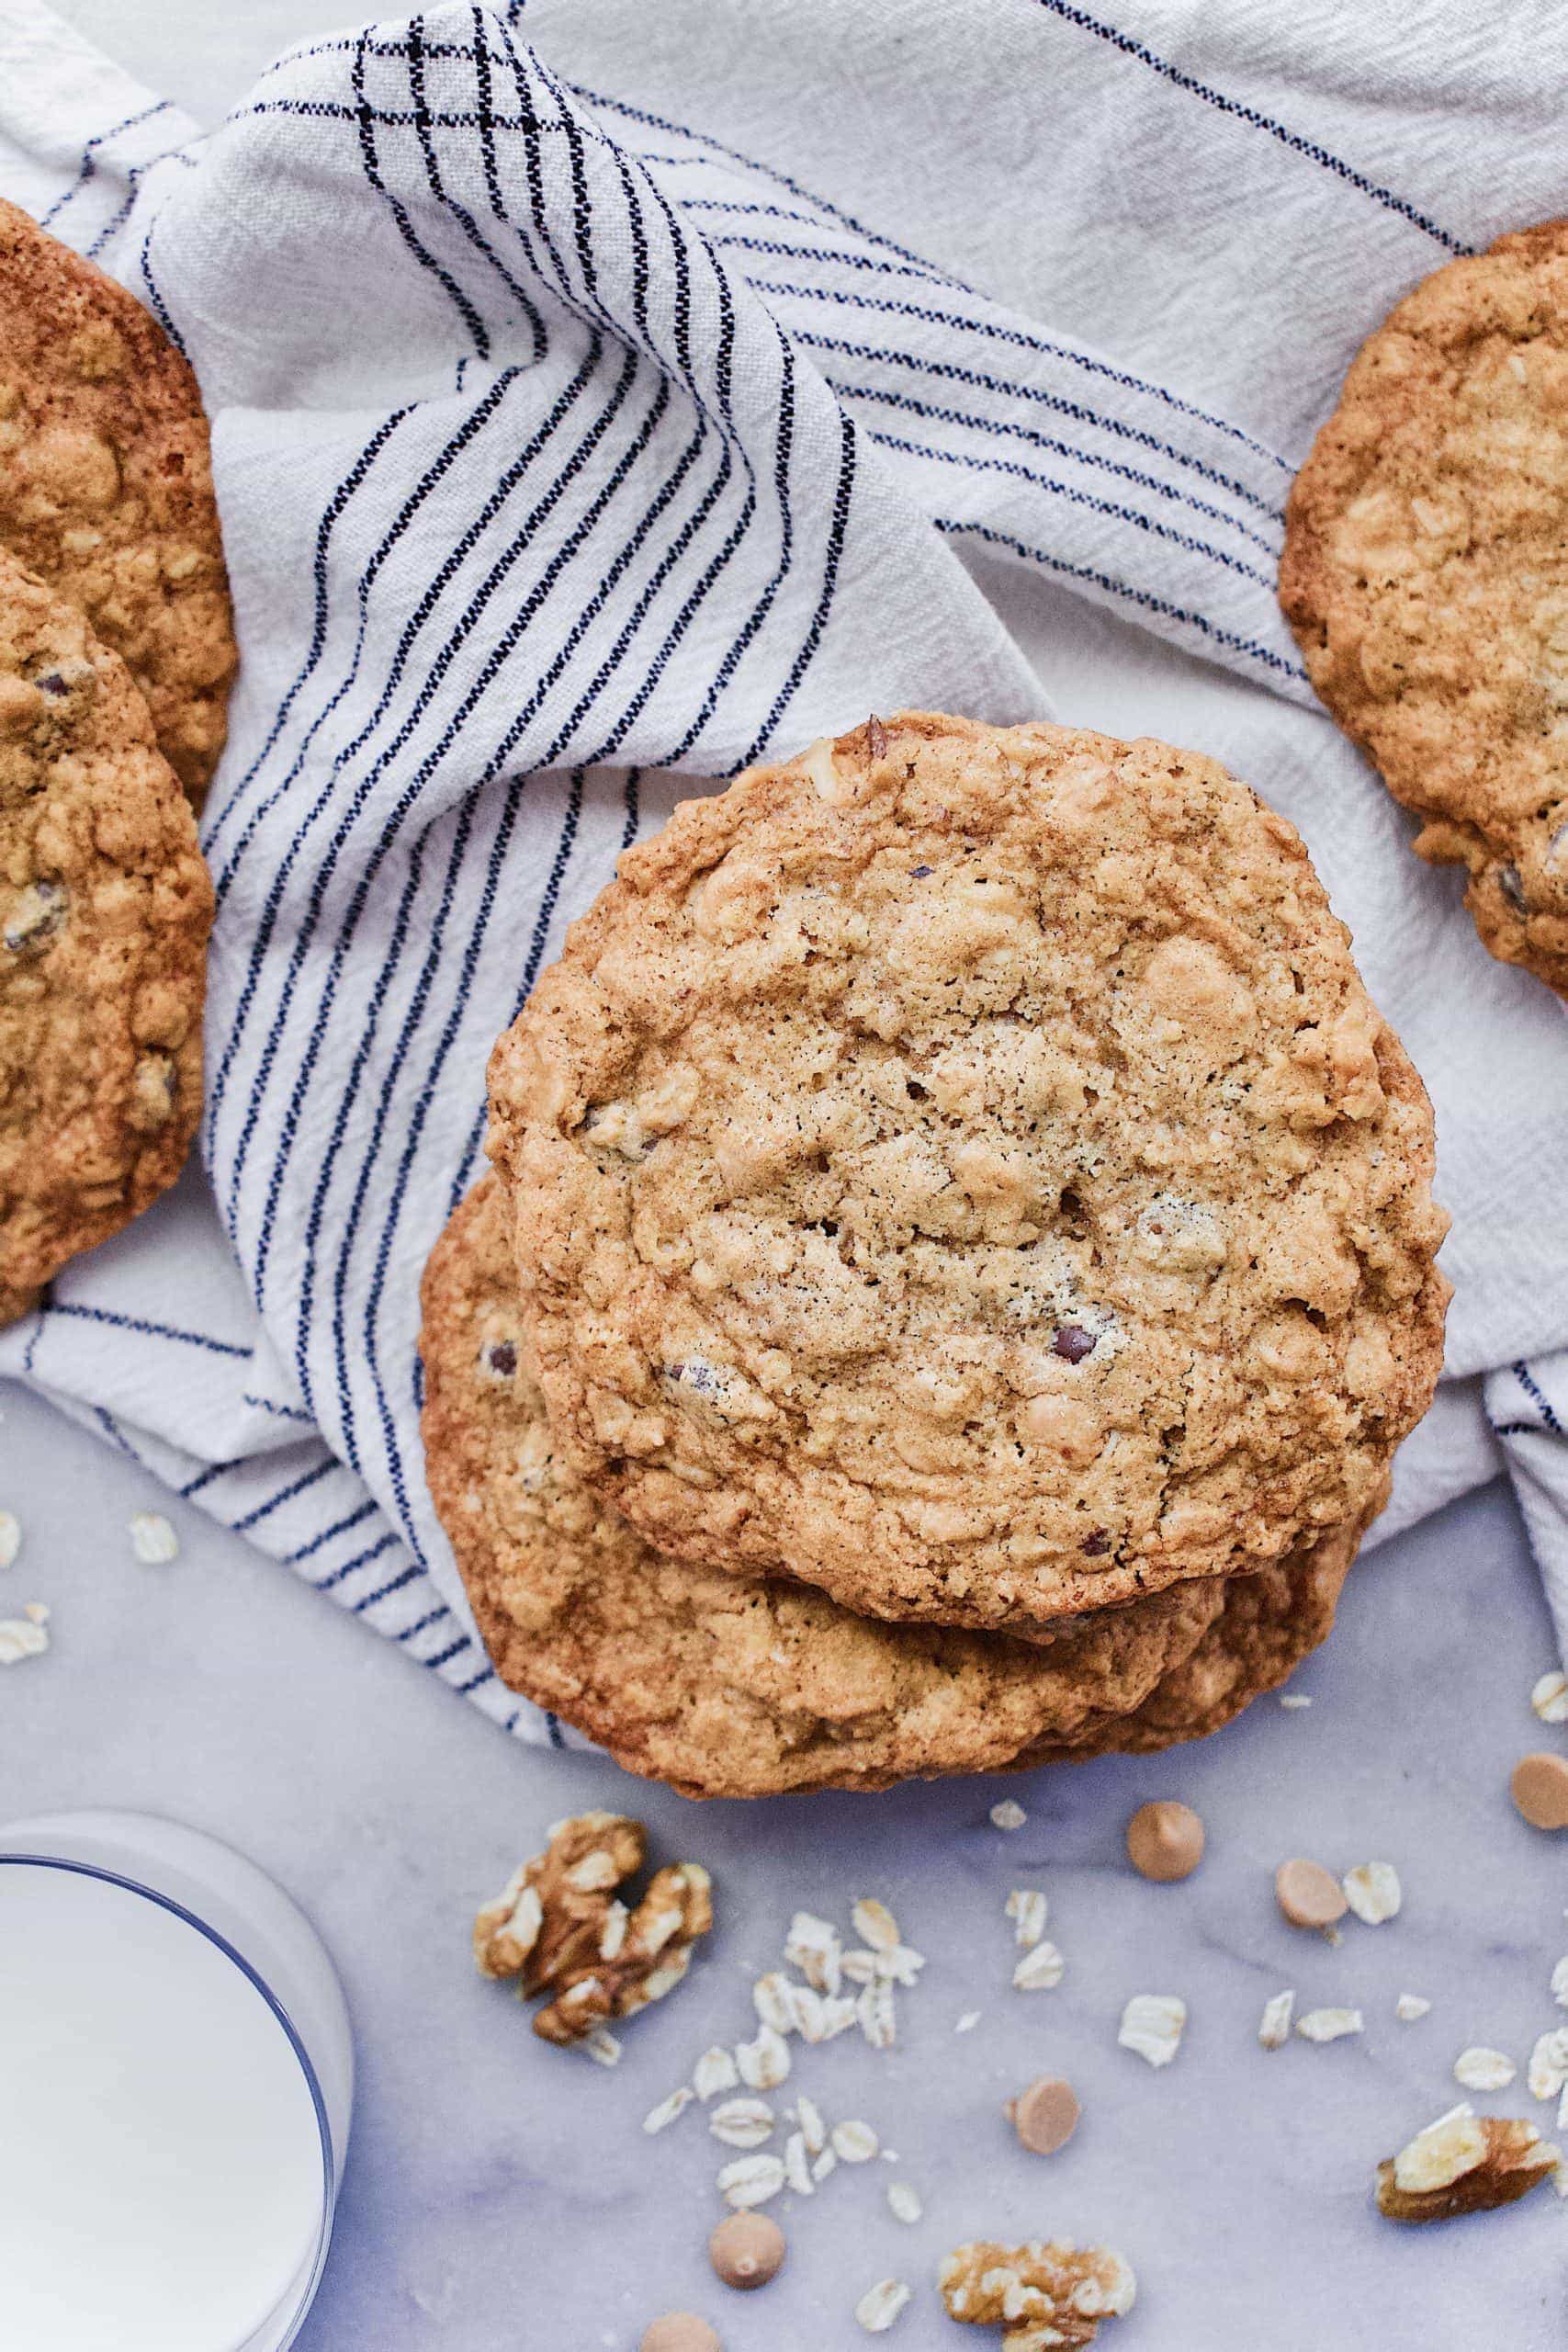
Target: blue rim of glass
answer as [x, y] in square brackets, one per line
[253, 1978]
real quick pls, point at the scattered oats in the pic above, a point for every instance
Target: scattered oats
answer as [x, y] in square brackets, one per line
[751, 2180]
[772, 1998]
[860, 1967]
[876, 2012]
[1560, 2178]
[968, 2021]
[1274, 2027]
[21, 1637]
[1373, 1891]
[714, 2072]
[822, 2165]
[855, 2143]
[10, 1537]
[1563, 2110]
[838, 2013]
[874, 1924]
[1039, 1970]
[763, 2063]
[1559, 1983]
[808, 2115]
[1483, 2070]
[1550, 1697]
[742, 2122]
[1294, 1699]
[1409, 2006]
[1328, 2025]
[880, 2305]
[797, 2166]
[814, 1947]
[153, 1539]
[1152, 2025]
[902, 1965]
[1028, 1910]
[1008, 1815]
[1548, 2072]
[904, 2202]
[807, 2013]
[658, 2118]
[602, 2047]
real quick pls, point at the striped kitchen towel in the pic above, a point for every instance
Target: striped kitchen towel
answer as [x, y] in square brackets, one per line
[602, 392]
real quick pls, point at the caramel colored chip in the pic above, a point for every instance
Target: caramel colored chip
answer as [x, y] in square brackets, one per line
[678, 2332]
[1165, 1840]
[1540, 1788]
[1309, 1895]
[1045, 2116]
[747, 2250]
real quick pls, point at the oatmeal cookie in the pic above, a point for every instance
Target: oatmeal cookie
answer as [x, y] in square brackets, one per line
[962, 1168]
[106, 484]
[1426, 576]
[105, 908]
[1270, 1621]
[724, 1686]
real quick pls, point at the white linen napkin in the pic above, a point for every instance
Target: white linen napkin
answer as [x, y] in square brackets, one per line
[599, 393]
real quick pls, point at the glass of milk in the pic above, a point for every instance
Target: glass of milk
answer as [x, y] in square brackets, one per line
[177, 2076]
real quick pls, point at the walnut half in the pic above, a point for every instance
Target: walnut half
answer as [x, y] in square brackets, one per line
[1464, 2163]
[559, 1926]
[1043, 2295]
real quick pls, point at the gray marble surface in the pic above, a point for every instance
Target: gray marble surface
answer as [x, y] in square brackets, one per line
[501, 2194]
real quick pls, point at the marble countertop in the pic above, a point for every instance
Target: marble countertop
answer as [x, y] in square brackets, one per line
[501, 2194]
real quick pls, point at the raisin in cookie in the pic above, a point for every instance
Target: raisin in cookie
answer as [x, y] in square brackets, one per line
[962, 1168]
[105, 908]
[1426, 576]
[1270, 1621]
[106, 484]
[724, 1686]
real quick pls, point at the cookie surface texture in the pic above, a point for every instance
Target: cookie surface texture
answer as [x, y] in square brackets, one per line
[105, 908]
[106, 484]
[1426, 576]
[962, 1168]
[724, 1686]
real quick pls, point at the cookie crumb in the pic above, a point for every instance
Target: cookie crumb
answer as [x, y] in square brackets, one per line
[1008, 1814]
[153, 1539]
[1274, 2026]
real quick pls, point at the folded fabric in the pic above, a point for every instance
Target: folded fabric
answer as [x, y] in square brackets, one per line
[602, 396]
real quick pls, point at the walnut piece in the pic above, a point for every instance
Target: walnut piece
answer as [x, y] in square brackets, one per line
[1464, 2163]
[559, 1926]
[1042, 2294]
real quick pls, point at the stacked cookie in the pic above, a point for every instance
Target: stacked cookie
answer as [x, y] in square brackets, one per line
[960, 1260]
[116, 653]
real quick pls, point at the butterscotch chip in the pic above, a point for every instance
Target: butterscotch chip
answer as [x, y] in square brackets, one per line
[105, 908]
[1044, 2116]
[678, 2332]
[106, 484]
[1165, 1840]
[1423, 575]
[1540, 1788]
[723, 1685]
[747, 2250]
[945, 1168]
[1309, 1895]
